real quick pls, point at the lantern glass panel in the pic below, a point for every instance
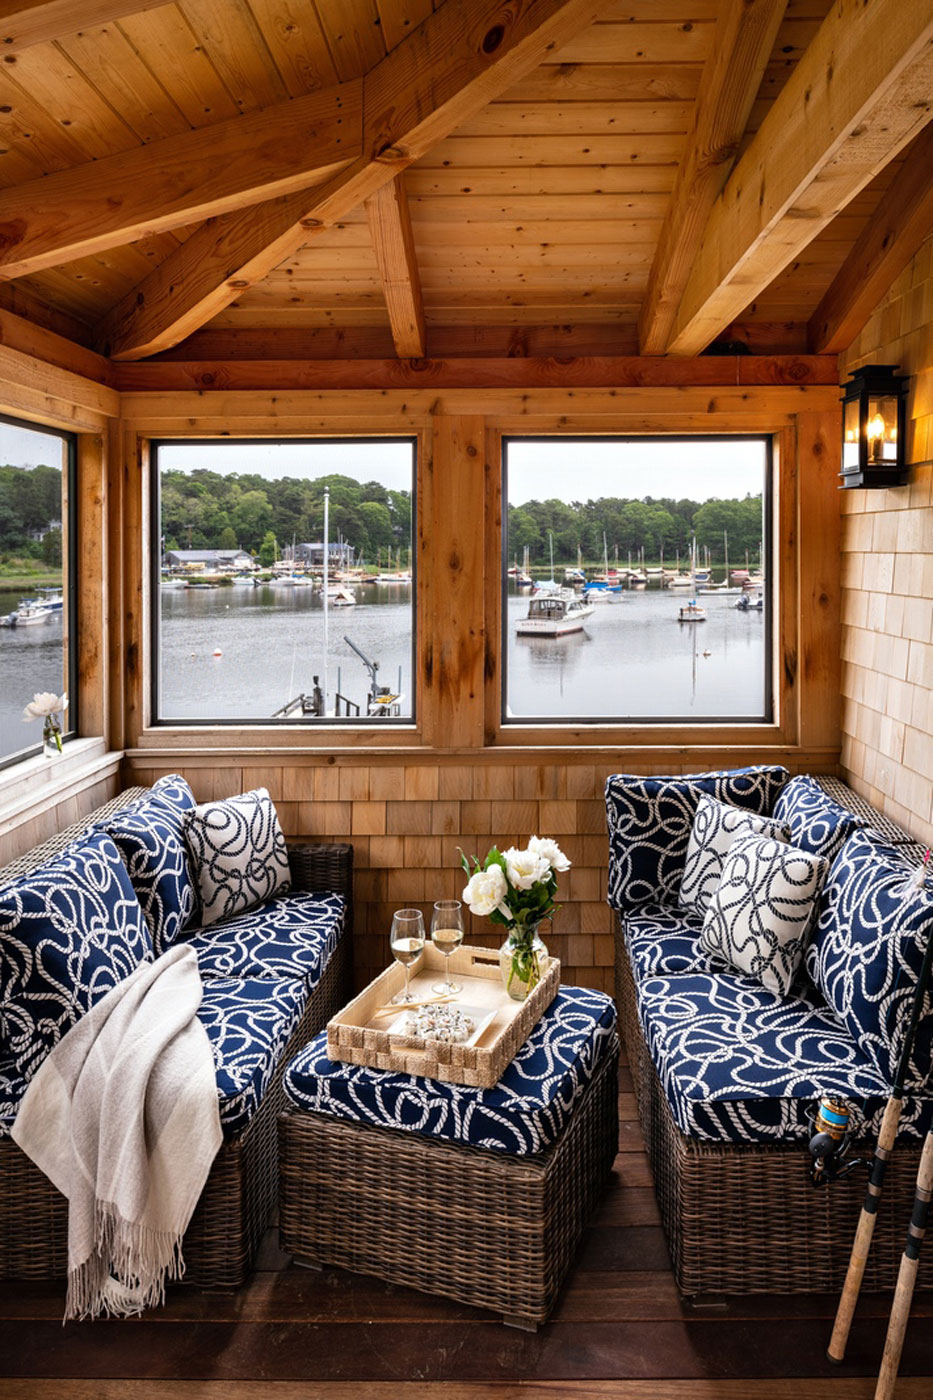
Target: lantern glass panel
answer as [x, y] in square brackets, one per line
[850, 447]
[882, 428]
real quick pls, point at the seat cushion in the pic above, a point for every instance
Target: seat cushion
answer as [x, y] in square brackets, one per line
[69, 932]
[12, 1089]
[523, 1114]
[662, 940]
[816, 823]
[249, 1023]
[867, 950]
[650, 820]
[291, 936]
[238, 854]
[150, 839]
[739, 1063]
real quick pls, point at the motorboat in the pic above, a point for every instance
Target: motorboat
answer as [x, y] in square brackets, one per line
[748, 604]
[28, 614]
[553, 615]
[595, 591]
[691, 612]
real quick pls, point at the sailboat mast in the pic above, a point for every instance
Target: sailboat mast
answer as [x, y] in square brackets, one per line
[326, 581]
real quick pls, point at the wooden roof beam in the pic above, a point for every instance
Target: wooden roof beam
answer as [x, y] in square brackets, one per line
[745, 34]
[902, 221]
[23, 24]
[459, 59]
[182, 179]
[394, 246]
[860, 92]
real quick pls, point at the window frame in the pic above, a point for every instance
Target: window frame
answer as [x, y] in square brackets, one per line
[309, 723]
[70, 582]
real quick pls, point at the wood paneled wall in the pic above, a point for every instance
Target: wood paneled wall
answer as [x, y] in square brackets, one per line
[887, 642]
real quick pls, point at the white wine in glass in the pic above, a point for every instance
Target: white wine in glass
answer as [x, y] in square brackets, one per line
[447, 935]
[407, 941]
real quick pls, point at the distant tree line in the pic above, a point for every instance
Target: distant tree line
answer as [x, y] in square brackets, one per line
[651, 524]
[30, 499]
[207, 510]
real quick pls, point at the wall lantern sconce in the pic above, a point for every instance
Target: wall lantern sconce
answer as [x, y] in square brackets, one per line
[874, 428]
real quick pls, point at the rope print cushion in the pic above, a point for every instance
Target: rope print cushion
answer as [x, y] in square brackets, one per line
[867, 949]
[238, 852]
[149, 837]
[759, 918]
[292, 936]
[12, 1089]
[650, 819]
[661, 940]
[715, 827]
[523, 1114]
[68, 933]
[739, 1063]
[816, 823]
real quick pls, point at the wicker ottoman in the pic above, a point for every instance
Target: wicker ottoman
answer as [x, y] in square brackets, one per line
[484, 1225]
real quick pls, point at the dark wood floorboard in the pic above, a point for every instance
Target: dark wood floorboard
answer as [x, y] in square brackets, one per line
[620, 1331]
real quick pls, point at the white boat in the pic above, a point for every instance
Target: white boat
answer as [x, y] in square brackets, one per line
[748, 604]
[598, 592]
[393, 578]
[29, 614]
[680, 581]
[341, 597]
[691, 612]
[553, 615]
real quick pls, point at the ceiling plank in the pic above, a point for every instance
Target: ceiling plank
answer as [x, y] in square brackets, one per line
[23, 24]
[179, 180]
[903, 220]
[860, 92]
[394, 246]
[745, 35]
[462, 57]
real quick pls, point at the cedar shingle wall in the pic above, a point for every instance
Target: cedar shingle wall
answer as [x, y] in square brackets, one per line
[887, 641]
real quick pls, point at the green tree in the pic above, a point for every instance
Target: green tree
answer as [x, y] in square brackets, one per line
[228, 539]
[267, 550]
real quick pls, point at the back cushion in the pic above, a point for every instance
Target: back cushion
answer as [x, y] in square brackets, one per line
[866, 952]
[69, 932]
[650, 820]
[816, 823]
[149, 837]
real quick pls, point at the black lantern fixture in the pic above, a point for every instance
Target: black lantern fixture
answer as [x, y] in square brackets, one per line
[874, 428]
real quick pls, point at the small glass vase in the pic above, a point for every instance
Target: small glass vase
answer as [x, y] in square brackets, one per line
[51, 740]
[523, 961]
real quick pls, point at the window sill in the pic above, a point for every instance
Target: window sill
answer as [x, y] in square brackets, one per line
[29, 787]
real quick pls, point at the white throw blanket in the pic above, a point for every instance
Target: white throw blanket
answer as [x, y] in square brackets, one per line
[123, 1118]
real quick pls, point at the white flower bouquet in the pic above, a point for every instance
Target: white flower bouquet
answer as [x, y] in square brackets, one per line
[50, 709]
[516, 888]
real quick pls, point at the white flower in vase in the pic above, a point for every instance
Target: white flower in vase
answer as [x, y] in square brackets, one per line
[50, 709]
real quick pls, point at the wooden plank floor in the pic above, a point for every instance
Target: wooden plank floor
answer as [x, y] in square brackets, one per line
[620, 1330]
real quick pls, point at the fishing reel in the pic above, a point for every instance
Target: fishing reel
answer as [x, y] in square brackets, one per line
[832, 1137]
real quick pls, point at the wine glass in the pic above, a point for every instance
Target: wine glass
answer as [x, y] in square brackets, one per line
[447, 935]
[407, 941]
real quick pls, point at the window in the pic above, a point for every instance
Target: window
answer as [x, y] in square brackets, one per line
[283, 582]
[37, 587]
[636, 580]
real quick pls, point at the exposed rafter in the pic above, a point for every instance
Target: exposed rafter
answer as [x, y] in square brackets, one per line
[459, 59]
[23, 24]
[745, 35]
[180, 180]
[861, 91]
[902, 221]
[394, 246]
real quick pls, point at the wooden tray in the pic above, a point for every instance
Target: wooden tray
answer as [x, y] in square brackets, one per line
[357, 1037]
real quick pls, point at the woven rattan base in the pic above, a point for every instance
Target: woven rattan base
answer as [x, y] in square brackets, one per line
[482, 1227]
[742, 1217]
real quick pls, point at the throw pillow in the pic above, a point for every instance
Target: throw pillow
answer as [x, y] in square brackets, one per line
[759, 918]
[69, 932]
[715, 827]
[816, 823]
[867, 950]
[239, 854]
[150, 839]
[650, 819]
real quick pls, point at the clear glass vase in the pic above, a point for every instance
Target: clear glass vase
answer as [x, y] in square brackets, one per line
[51, 739]
[523, 961]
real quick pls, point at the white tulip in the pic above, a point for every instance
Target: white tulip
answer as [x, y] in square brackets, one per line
[550, 851]
[44, 703]
[485, 891]
[524, 868]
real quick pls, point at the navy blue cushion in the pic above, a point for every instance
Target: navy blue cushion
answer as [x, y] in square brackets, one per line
[69, 932]
[661, 940]
[149, 838]
[739, 1063]
[817, 824]
[291, 936]
[12, 1089]
[523, 1114]
[650, 820]
[249, 1024]
[866, 952]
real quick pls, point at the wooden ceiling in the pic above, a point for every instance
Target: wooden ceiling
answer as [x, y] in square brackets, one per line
[542, 207]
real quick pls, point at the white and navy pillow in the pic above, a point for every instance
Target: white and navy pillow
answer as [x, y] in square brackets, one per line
[867, 950]
[715, 827]
[816, 823]
[150, 839]
[238, 852]
[69, 932]
[650, 819]
[760, 916]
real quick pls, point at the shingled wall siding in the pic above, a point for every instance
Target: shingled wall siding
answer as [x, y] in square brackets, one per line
[887, 643]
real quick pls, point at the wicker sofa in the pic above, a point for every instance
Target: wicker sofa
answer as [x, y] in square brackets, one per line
[272, 978]
[725, 1072]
